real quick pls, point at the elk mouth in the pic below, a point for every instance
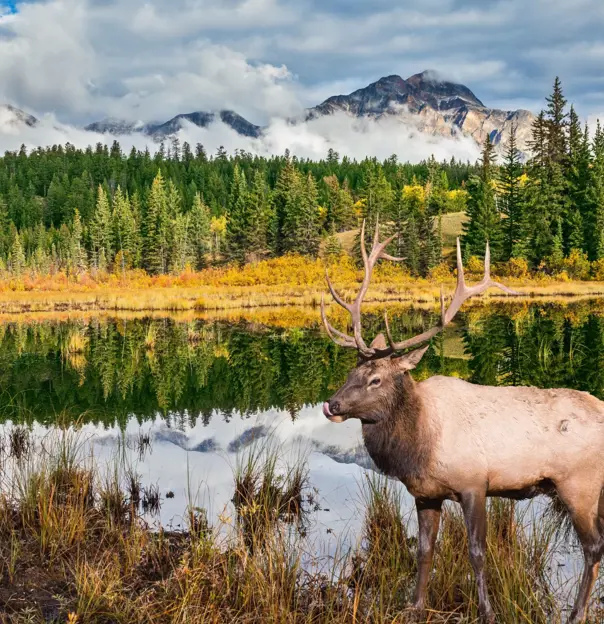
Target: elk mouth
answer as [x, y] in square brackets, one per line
[334, 418]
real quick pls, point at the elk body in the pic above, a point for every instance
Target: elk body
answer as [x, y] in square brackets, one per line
[447, 439]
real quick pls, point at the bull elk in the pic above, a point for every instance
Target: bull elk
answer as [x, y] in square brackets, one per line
[447, 439]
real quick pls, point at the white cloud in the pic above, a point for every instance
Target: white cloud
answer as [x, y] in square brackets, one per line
[356, 138]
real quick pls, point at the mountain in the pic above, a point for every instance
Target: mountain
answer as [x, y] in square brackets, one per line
[161, 131]
[424, 103]
[11, 116]
[434, 106]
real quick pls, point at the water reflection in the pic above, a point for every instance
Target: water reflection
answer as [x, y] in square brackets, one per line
[112, 370]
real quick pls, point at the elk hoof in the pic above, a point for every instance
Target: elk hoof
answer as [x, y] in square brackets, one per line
[415, 613]
[488, 618]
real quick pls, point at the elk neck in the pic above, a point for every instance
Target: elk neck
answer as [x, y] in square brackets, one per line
[401, 441]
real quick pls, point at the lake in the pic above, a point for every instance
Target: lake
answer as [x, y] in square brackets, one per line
[204, 392]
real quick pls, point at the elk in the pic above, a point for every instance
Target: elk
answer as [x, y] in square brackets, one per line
[448, 439]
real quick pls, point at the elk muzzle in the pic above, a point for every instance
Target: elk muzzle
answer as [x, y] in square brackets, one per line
[331, 410]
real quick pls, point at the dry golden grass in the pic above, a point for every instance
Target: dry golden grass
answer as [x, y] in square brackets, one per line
[73, 548]
[281, 282]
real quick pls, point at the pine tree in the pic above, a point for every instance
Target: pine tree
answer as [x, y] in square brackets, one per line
[258, 209]
[200, 232]
[124, 231]
[309, 234]
[4, 224]
[77, 253]
[484, 223]
[333, 247]
[595, 197]
[100, 232]
[181, 255]
[378, 203]
[513, 204]
[283, 196]
[16, 255]
[157, 226]
[238, 219]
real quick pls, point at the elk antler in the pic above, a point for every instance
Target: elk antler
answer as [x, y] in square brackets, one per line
[354, 308]
[462, 293]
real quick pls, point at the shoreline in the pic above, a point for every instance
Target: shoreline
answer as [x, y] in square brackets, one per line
[202, 300]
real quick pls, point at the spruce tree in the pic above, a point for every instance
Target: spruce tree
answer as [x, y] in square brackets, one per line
[238, 219]
[201, 234]
[595, 197]
[258, 209]
[124, 231]
[16, 255]
[101, 232]
[181, 253]
[513, 204]
[77, 253]
[157, 226]
[484, 223]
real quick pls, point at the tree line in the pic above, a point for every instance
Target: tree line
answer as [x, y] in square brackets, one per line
[71, 210]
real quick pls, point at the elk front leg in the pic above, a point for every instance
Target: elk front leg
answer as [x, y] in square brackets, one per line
[428, 518]
[475, 516]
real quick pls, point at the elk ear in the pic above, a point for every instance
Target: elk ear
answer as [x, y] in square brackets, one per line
[379, 342]
[410, 360]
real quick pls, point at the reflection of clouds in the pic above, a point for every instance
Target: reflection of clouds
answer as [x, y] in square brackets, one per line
[197, 464]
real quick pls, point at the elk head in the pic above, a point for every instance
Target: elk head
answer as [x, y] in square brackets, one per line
[378, 381]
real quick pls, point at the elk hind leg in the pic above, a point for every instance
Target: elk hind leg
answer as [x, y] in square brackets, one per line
[585, 503]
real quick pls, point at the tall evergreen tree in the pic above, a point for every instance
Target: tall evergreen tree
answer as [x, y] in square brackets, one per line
[200, 232]
[484, 224]
[238, 218]
[513, 204]
[157, 228]
[101, 232]
[125, 233]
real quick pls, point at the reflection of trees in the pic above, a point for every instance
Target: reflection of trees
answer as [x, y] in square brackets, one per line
[111, 370]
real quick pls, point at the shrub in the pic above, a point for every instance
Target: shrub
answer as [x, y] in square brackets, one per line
[597, 270]
[577, 265]
[440, 273]
[514, 267]
[475, 266]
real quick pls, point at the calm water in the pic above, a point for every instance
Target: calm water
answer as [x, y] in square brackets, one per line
[204, 391]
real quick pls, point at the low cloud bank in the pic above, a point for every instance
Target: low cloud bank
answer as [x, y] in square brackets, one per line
[354, 137]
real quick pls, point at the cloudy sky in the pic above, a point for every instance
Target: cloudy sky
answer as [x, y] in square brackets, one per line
[87, 59]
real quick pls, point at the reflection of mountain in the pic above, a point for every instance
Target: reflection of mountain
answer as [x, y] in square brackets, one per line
[194, 372]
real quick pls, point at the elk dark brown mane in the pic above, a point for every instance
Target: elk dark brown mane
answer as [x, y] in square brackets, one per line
[447, 439]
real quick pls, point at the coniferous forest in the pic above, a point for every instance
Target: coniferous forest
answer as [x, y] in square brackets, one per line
[98, 209]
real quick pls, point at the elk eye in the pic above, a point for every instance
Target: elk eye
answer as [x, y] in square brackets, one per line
[376, 381]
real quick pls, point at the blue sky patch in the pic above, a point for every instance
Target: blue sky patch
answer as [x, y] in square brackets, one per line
[11, 5]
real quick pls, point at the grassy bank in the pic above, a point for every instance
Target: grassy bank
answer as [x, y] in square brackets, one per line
[281, 282]
[75, 548]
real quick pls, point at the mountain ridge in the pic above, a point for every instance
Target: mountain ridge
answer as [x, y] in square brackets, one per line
[425, 102]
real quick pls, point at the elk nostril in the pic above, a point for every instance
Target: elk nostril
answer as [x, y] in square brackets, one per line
[334, 407]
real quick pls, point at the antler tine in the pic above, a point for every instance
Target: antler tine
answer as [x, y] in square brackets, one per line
[462, 294]
[341, 339]
[335, 295]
